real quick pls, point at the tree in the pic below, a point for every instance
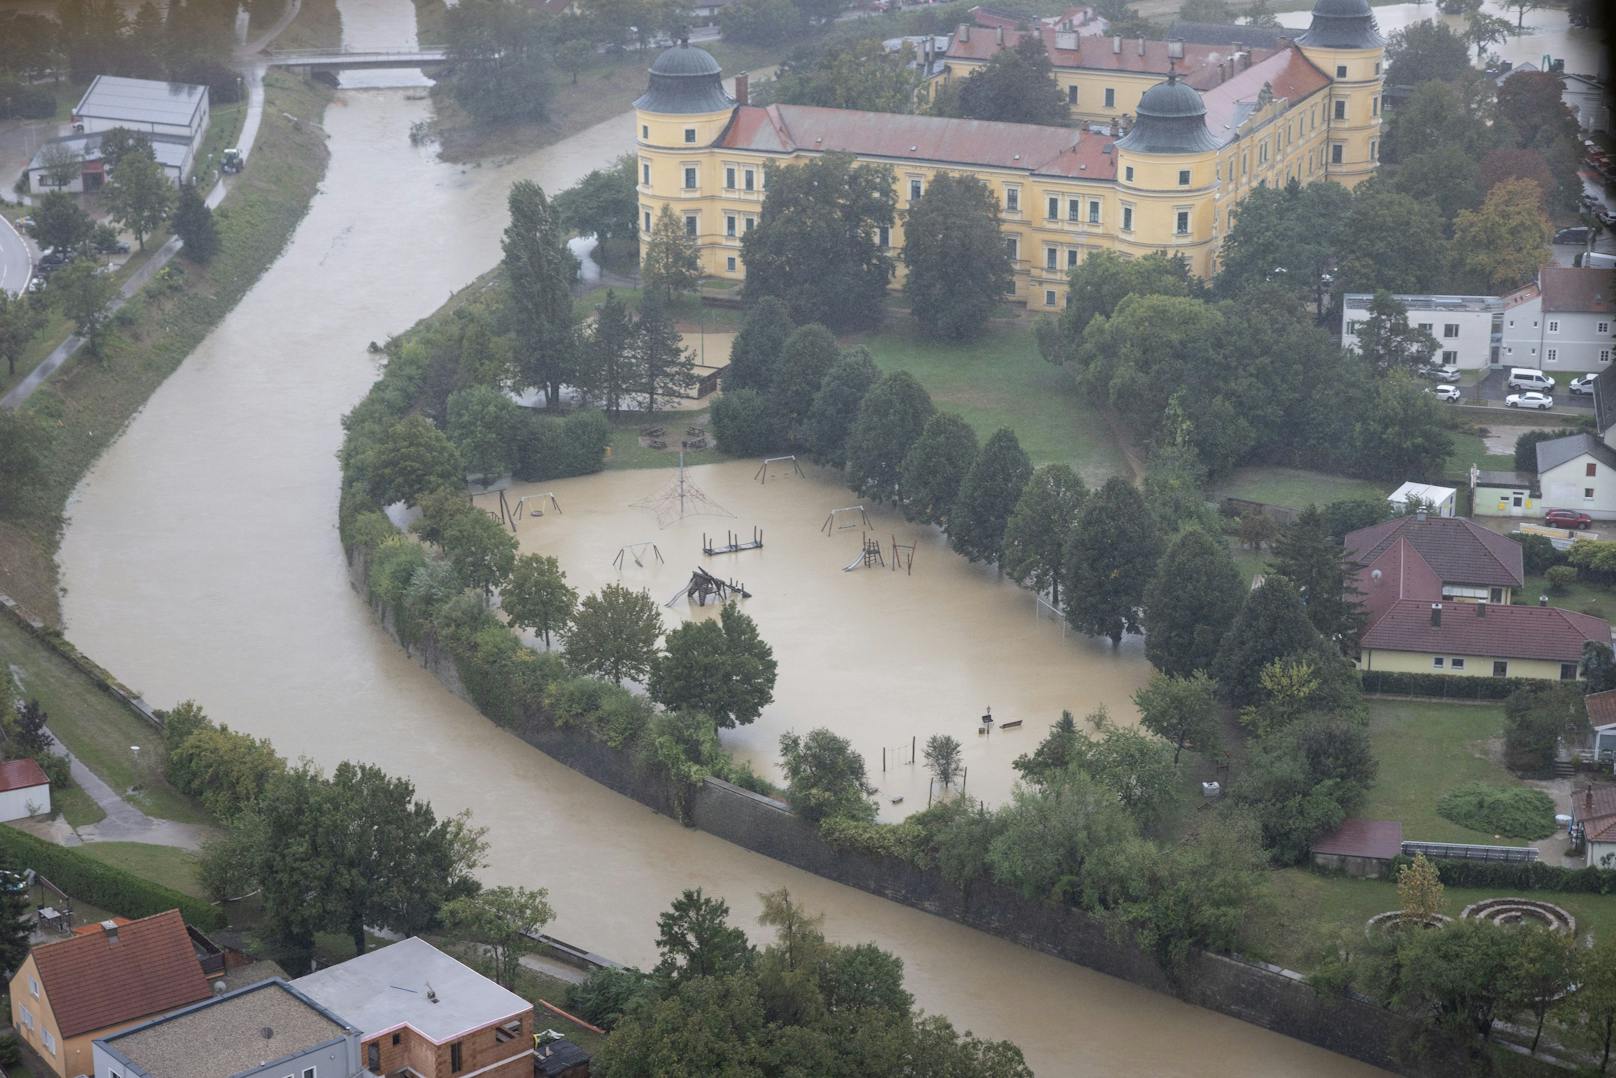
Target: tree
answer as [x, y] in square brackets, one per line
[825, 777]
[943, 758]
[1390, 241]
[62, 165]
[22, 440]
[1109, 562]
[193, 224]
[1598, 667]
[1536, 720]
[482, 552]
[1304, 780]
[1419, 890]
[1463, 972]
[1016, 86]
[1035, 536]
[139, 194]
[1500, 246]
[614, 634]
[84, 295]
[755, 352]
[412, 458]
[1309, 557]
[482, 421]
[603, 204]
[17, 917]
[723, 669]
[20, 319]
[1286, 235]
[836, 405]
[1402, 433]
[540, 270]
[1521, 8]
[1545, 969]
[497, 54]
[59, 222]
[1054, 754]
[1189, 604]
[987, 496]
[1531, 106]
[1096, 285]
[695, 939]
[817, 246]
[1050, 833]
[609, 354]
[1445, 174]
[1511, 164]
[1426, 51]
[671, 262]
[225, 770]
[1183, 711]
[1140, 769]
[1260, 14]
[742, 424]
[958, 266]
[1482, 30]
[890, 420]
[934, 468]
[1594, 1002]
[664, 366]
[854, 75]
[808, 355]
[1389, 341]
[1272, 624]
[499, 922]
[760, 22]
[537, 596]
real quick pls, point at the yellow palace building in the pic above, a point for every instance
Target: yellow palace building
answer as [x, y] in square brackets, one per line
[1166, 177]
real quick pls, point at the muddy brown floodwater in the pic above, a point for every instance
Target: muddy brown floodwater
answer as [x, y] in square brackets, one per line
[202, 560]
[885, 658]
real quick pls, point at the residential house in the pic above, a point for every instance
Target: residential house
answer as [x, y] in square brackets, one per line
[1436, 594]
[68, 994]
[174, 155]
[1565, 322]
[1602, 719]
[1468, 329]
[24, 790]
[265, 1030]
[1589, 98]
[418, 1008]
[1438, 500]
[1593, 813]
[1579, 471]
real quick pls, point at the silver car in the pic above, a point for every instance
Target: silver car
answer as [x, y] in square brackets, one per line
[1531, 399]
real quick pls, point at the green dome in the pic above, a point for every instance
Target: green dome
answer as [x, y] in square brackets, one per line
[1342, 24]
[1172, 119]
[685, 80]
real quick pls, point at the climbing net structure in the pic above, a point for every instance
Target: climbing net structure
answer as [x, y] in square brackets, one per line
[680, 499]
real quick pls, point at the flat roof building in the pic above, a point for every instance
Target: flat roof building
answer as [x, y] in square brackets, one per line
[148, 105]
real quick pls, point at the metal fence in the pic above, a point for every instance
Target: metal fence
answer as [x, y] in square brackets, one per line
[1464, 852]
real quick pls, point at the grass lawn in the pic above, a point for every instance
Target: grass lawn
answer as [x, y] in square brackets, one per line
[95, 728]
[166, 865]
[533, 986]
[224, 130]
[85, 405]
[1468, 449]
[1309, 909]
[1296, 487]
[1002, 381]
[627, 452]
[1581, 596]
[318, 26]
[1426, 749]
[77, 807]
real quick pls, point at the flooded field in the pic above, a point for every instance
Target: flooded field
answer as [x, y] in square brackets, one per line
[885, 658]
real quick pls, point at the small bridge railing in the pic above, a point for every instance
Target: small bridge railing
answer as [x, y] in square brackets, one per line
[1458, 851]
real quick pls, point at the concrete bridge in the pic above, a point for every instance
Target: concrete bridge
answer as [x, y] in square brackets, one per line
[351, 59]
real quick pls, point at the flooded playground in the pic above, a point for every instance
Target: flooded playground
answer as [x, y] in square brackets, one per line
[885, 654]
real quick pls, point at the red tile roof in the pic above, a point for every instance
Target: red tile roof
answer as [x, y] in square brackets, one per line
[1595, 809]
[1460, 552]
[1363, 838]
[1287, 73]
[1601, 707]
[1199, 67]
[21, 774]
[94, 982]
[1058, 151]
[1489, 630]
[1575, 290]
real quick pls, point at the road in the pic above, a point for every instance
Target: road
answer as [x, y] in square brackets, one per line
[16, 264]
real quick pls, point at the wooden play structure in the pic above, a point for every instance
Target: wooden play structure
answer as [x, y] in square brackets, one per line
[762, 474]
[903, 557]
[842, 519]
[639, 553]
[704, 585]
[869, 556]
[733, 544]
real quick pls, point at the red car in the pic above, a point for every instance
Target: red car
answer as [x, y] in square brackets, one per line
[1567, 518]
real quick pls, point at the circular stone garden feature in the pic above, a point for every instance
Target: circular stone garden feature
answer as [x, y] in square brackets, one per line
[1518, 911]
[1396, 920]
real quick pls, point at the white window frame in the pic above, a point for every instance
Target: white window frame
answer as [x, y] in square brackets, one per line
[693, 224]
[1554, 325]
[1049, 297]
[1456, 664]
[1181, 216]
[729, 177]
[1012, 198]
[692, 177]
[1094, 212]
[1127, 217]
[748, 179]
[690, 135]
[1437, 662]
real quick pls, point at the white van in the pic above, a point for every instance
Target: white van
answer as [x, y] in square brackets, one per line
[1596, 260]
[1529, 378]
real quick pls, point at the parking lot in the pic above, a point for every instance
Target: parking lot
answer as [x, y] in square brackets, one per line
[1492, 390]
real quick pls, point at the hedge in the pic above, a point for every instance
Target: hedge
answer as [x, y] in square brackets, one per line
[1448, 686]
[98, 884]
[1522, 876]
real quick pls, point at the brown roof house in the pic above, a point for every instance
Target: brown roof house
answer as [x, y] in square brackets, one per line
[1436, 592]
[1594, 811]
[1602, 717]
[66, 994]
[24, 790]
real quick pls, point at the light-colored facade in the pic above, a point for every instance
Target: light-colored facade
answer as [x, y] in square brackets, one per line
[24, 790]
[1578, 472]
[150, 106]
[1468, 329]
[1169, 184]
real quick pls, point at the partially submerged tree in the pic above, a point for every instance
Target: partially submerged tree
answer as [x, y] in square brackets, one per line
[614, 634]
[537, 596]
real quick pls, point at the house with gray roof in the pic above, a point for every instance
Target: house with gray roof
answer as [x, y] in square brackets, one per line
[150, 106]
[1579, 471]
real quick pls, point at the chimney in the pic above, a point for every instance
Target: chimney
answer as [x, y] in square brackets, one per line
[965, 34]
[1436, 615]
[1542, 600]
[998, 34]
[1245, 60]
[1141, 46]
[740, 88]
[1116, 44]
[111, 929]
[1420, 514]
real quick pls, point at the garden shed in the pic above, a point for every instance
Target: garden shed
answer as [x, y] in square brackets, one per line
[1360, 847]
[24, 790]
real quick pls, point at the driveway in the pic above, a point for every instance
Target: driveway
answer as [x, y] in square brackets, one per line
[1492, 388]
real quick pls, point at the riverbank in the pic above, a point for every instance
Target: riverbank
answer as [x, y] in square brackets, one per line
[85, 406]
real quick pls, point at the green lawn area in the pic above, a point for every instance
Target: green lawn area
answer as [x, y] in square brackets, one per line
[1426, 749]
[1296, 487]
[1309, 908]
[627, 452]
[166, 865]
[317, 26]
[1581, 596]
[95, 728]
[1468, 449]
[998, 381]
[77, 807]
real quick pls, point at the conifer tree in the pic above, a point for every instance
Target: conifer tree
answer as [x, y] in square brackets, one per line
[836, 405]
[671, 263]
[987, 496]
[1194, 596]
[891, 417]
[193, 224]
[808, 355]
[1110, 561]
[755, 352]
[540, 270]
[665, 365]
[1306, 554]
[609, 353]
[935, 466]
[1039, 528]
[1272, 624]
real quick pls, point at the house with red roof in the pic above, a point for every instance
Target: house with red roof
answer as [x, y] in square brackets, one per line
[1437, 593]
[68, 993]
[24, 790]
[1593, 813]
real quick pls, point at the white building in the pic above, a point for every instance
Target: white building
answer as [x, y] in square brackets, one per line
[1589, 98]
[1466, 328]
[1578, 472]
[1440, 500]
[174, 109]
[24, 790]
[175, 156]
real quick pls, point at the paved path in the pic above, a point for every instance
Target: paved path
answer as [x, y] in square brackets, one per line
[16, 265]
[126, 823]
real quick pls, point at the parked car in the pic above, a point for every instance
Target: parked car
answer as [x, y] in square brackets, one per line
[1606, 218]
[1529, 378]
[1576, 234]
[1567, 518]
[1446, 373]
[1444, 393]
[1583, 386]
[1590, 202]
[1541, 401]
[37, 284]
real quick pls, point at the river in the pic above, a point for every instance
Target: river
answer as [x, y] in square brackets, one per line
[202, 561]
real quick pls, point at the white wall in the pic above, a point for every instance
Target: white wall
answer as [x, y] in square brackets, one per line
[25, 802]
[1565, 487]
[1470, 345]
[1559, 341]
[1598, 851]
